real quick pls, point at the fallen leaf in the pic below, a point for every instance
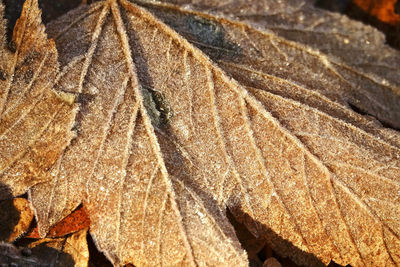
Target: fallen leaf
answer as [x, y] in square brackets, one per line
[382, 9]
[76, 245]
[358, 45]
[328, 154]
[116, 159]
[74, 222]
[166, 141]
[355, 67]
[35, 121]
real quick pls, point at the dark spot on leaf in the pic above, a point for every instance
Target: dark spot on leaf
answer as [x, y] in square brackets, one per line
[206, 34]
[157, 107]
[3, 75]
[29, 59]
[28, 76]
[210, 37]
[12, 46]
[84, 99]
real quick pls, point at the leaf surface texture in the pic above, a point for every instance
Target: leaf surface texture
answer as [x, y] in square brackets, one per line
[35, 121]
[166, 140]
[340, 58]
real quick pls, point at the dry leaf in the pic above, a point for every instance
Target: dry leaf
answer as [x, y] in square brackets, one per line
[35, 121]
[336, 164]
[166, 140]
[76, 245]
[250, 55]
[74, 222]
[310, 186]
[344, 40]
[116, 160]
[381, 9]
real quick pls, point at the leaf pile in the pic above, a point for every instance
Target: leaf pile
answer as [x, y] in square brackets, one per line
[187, 108]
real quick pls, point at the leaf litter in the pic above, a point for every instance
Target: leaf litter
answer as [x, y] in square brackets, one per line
[279, 145]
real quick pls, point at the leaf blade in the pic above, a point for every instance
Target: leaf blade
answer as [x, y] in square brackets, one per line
[35, 121]
[297, 169]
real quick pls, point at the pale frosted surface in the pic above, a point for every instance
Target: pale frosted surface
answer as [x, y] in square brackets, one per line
[278, 146]
[35, 121]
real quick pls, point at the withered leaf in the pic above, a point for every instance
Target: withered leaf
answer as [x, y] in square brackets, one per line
[116, 160]
[358, 45]
[166, 141]
[74, 222]
[370, 86]
[333, 143]
[35, 121]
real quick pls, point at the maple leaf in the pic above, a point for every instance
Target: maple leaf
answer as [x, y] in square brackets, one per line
[361, 71]
[314, 87]
[35, 121]
[358, 45]
[166, 141]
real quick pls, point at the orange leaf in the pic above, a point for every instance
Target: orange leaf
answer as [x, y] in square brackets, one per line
[74, 222]
[381, 9]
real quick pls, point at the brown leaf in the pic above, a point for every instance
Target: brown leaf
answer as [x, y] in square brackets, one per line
[166, 140]
[35, 121]
[359, 81]
[76, 245]
[116, 149]
[333, 161]
[345, 41]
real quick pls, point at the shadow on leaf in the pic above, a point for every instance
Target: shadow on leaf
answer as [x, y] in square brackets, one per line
[8, 213]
